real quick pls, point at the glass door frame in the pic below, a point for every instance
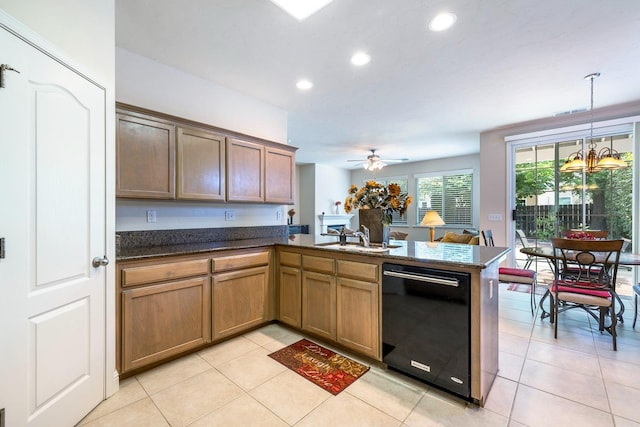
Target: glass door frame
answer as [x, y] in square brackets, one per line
[552, 136]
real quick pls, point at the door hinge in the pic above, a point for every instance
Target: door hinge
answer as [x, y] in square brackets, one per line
[1, 249]
[3, 68]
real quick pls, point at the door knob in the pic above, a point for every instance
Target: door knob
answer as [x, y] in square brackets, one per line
[100, 262]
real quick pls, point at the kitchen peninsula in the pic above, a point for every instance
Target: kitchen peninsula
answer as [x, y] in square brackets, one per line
[177, 295]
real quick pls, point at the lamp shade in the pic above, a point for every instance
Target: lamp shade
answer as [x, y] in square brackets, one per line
[431, 219]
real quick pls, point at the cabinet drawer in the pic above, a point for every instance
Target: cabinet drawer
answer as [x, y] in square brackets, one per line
[319, 264]
[234, 262]
[358, 270]
[156, 273]
[290, 259]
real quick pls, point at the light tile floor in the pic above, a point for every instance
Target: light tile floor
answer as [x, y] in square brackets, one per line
[574, 380]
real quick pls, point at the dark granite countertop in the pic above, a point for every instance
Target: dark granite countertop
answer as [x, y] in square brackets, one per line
[142, 252]
[399, 250]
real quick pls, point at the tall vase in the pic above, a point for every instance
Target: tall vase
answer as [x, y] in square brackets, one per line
[372, 219]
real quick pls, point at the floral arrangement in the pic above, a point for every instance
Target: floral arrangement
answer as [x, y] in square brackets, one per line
[374, 195]
[580, 235]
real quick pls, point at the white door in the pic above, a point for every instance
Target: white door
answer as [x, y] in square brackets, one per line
[52, 219]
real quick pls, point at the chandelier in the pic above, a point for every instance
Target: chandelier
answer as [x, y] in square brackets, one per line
[589, 161]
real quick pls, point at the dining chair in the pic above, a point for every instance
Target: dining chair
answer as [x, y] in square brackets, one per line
[584, 277]
[596, 234]
[521, 276]
[524, 241]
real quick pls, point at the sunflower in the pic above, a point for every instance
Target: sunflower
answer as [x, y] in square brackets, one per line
[374, 195]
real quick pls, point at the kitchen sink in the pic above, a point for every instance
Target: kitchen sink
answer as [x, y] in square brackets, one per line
[355, 247]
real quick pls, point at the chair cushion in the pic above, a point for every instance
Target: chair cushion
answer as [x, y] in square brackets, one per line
[584, 291]
[517, 272]
[516, 275]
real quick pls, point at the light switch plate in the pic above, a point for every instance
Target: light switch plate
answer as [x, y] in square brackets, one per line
[495, 217]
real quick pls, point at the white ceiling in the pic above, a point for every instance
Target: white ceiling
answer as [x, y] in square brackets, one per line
[424, 95]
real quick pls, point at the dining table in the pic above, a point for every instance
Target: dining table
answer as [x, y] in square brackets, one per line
[626, 259]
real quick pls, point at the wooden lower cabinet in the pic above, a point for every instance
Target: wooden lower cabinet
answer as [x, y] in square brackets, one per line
[333, 297]
[171, 305]
[160, 321]
[358, 311]
[289, 296]
[240, 300]
[319, 304]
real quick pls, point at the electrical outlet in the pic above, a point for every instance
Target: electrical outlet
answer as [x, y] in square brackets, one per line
[279, 215]
[229, 216]
[151, 216]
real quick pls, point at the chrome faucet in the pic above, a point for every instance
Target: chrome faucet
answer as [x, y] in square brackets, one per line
[363, 236]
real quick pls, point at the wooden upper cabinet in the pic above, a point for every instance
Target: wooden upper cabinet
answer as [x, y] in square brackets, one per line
[280, 166]
[165, 157]
[145, 158]
[200, 165]
[245, 171]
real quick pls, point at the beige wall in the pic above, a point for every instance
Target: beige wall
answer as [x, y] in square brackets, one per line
[412, 169]
[145, 83]
[84, 30]
[493, 161]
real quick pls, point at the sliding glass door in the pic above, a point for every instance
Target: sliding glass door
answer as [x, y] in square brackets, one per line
[551, 203]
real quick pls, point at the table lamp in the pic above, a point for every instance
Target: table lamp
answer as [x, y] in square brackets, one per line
[431, 219]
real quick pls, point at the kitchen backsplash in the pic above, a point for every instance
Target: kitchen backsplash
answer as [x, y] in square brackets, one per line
[135, 239]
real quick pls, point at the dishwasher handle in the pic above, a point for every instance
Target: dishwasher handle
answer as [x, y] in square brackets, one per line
[423, 278]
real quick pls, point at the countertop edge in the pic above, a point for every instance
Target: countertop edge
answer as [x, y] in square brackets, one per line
[485, 255]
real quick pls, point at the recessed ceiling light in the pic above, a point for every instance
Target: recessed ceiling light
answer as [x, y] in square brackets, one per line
[304, 84]
[301, 9]
[360, 58]
[442, 21]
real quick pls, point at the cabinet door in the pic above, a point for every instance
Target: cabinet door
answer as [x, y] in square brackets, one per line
[162, 320]
[145, 158]
[245, 171]
[280, 166]
[200, 165]
[319, 304]
[240, 300]
[290, 292]
[357, 316]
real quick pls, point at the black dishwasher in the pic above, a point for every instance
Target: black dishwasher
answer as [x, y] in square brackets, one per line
[426, 325]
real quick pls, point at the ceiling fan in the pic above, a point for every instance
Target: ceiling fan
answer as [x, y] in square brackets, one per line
[374, 162]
